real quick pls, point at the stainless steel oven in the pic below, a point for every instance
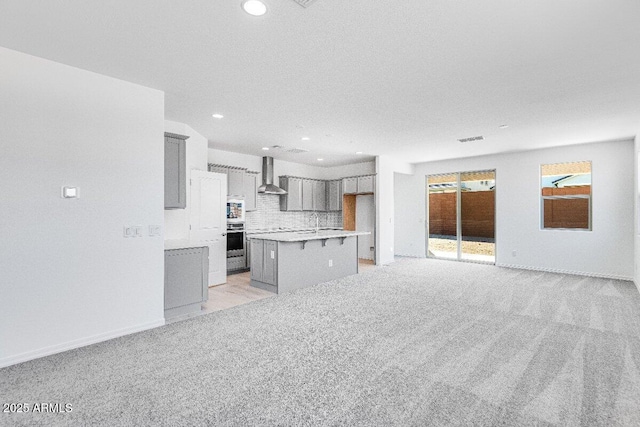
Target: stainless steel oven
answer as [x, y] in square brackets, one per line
[235, 240]
[236, 253]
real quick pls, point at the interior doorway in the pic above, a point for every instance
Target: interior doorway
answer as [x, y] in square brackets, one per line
[461, 212]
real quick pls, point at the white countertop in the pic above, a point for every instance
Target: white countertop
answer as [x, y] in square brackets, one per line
[302, 236]
[286, 230]
[182, 244]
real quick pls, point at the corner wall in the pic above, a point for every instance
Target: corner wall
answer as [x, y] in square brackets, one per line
[69, 277]
[386, 169]
[607, 251]
[637, 213]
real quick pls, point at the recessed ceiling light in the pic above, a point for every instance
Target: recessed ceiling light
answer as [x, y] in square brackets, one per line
[217, 116]
[358, 152]
[320, 160]
[305, 138]
[503, 126]
[265, 148]
[254, 7]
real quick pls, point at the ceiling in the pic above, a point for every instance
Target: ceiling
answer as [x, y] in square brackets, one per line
[403, 79]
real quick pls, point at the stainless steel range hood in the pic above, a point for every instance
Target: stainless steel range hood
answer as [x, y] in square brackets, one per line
[268, 187]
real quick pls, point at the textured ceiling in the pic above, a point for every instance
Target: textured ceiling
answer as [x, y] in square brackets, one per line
[404, 79]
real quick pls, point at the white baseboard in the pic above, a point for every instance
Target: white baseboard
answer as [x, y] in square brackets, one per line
[559, 271]
[70, 345]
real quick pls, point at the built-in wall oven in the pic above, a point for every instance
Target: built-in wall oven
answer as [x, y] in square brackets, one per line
[236, 251]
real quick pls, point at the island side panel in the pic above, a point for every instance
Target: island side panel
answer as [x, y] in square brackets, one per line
[300, 268]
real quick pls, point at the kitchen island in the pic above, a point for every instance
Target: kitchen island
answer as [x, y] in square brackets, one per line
[283, 262]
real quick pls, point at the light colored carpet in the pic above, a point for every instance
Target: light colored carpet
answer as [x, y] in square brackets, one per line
[415, 343]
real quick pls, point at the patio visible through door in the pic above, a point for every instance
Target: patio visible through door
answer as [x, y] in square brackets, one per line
[461, 209]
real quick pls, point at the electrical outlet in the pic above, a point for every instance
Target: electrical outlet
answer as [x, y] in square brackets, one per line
[137, 231]
[128, 231]
[330, 263]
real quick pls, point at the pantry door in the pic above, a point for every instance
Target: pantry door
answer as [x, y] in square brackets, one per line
[208, 220]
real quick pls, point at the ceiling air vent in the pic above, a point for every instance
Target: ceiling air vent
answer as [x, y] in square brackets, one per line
[304, 3]
[296, 150]
[472, 138]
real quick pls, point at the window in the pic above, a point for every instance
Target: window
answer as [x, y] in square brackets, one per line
[566, 195]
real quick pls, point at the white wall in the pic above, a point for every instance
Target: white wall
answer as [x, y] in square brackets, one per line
[637, 213]
[254, 163]
[176, 221]
[282, 167]
[68, 276]
[608, 250]
[363, 168]
[365, 221]
[409, 213]
[386, 168]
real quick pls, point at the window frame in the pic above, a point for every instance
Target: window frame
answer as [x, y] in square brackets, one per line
[589, 198]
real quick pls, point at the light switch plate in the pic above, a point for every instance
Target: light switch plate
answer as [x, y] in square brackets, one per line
[128, 231]
[70, 192]
[137, 231]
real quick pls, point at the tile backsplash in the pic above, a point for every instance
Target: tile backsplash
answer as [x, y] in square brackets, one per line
[268, 216]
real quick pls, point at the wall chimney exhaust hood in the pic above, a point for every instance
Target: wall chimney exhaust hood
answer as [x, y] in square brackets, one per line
[268, 187]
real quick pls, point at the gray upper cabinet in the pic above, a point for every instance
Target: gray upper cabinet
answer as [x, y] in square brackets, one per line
[307, 194]
[292, 201]
[219, 169]
[175, 171]
[358, 184]
[350, 185]
[334, 195]
[365, 184]
[250, 191]
[235, 182]
[319, 196]
[240, 183]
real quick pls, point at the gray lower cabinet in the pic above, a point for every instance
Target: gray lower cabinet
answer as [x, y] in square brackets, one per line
[257, 259]
[264, 259]
[269, 265]
[186, 273]
[334, 195]
[175, 171]
[289, 265]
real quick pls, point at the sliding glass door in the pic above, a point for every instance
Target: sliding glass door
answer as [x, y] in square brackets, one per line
[461, 221]
[443, 208]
